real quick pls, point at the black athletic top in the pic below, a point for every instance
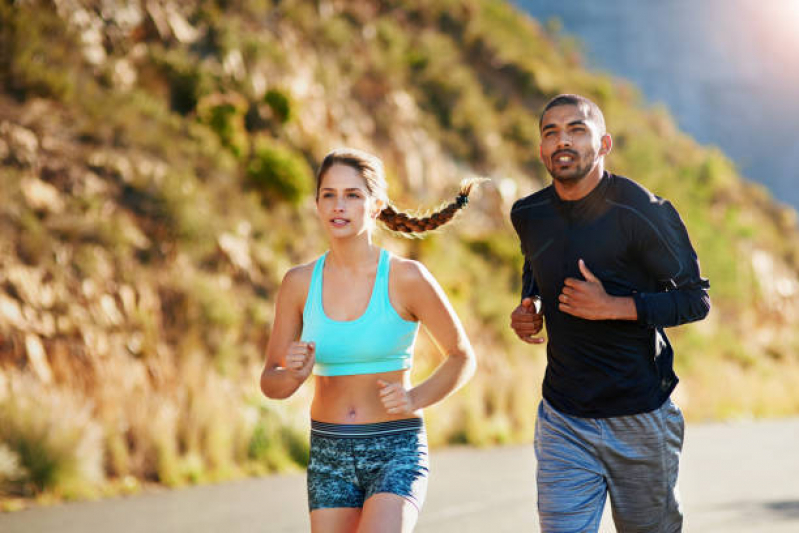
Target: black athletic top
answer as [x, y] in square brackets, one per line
[637, 245]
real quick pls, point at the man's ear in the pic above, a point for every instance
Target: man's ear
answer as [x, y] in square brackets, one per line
[606, 144]
[541, 152]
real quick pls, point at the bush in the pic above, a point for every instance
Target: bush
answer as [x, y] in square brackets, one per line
[280, 104]
[37, 56]
[224, 114]
[56, 444]
[279, 173]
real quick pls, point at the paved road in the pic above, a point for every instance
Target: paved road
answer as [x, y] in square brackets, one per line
[736, 478]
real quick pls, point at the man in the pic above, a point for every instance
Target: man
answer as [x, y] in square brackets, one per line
[608, 265]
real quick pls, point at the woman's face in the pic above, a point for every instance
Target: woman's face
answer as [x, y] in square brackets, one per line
[344, 204]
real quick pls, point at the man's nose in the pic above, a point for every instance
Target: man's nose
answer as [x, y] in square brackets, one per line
[564, 139]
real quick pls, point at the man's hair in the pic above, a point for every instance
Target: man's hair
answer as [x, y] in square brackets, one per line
[590, 108]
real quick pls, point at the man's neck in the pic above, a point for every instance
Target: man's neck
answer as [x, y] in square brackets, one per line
[571, 190]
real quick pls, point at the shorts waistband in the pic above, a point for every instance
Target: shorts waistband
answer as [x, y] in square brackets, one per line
[355, 431]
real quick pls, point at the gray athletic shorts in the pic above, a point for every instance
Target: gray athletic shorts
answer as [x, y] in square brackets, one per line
[351, 462]
[633, 458]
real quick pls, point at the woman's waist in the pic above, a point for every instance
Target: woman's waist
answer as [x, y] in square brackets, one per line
[355, 399]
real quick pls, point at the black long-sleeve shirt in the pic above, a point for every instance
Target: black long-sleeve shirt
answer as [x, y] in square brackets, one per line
[636, 244]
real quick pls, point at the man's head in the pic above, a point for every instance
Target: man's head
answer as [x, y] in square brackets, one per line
[573, 138]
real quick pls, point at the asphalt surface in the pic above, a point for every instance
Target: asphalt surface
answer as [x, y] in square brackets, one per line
[735, 477]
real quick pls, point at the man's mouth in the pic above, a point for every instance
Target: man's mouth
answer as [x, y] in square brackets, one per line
[564, 157]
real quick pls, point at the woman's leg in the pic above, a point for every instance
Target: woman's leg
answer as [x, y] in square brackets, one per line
[388, 513]
[335, 520]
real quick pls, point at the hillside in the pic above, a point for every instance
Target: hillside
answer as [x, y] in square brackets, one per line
[157, 171]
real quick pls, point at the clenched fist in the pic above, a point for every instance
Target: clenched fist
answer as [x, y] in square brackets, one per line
[300, 359]
[396, 399]
[527, 321]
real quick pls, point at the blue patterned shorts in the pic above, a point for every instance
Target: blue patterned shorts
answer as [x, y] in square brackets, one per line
[350, 463]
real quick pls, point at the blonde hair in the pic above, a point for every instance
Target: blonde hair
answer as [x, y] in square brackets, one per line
[370, 168]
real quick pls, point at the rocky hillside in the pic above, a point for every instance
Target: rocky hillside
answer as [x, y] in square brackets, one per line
[156, 162]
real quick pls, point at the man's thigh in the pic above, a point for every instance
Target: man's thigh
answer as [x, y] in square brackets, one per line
[641, 457]
[570, 479]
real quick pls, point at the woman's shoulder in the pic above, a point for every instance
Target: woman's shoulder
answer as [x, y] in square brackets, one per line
[409, 272]
[298, 278]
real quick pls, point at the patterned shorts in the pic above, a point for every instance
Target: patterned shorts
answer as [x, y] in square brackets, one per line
[350, 463]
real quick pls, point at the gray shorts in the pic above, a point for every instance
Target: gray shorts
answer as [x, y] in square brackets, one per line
[350, 463]
[633, 458]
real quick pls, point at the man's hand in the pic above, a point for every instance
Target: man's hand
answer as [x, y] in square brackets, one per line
[527, 321]
[588, 299]
[396, 398]
[300, 360]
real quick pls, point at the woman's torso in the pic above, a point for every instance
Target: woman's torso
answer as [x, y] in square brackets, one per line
[363, 333]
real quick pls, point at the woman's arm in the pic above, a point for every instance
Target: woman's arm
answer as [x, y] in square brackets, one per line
[426, 301]
[288, 361]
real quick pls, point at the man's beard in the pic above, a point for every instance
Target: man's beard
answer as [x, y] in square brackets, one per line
[579, 172]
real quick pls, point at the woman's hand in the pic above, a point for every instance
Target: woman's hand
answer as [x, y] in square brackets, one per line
[396, 398]
[300, 360]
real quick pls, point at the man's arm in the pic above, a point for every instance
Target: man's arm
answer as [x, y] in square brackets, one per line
[667, 253]
[665, 250]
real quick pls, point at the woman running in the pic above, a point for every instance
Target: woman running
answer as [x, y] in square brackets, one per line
[352, 317]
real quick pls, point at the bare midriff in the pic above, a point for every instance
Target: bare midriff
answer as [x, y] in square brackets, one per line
[355, 399]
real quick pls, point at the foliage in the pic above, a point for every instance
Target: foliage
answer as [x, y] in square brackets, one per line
[182, 199]
[279, 173]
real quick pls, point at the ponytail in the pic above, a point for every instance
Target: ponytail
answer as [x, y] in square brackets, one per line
[412, 226]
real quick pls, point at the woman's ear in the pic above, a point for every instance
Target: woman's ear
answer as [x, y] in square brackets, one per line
[377, 206]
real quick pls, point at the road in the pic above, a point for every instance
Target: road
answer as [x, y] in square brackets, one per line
[737, 477]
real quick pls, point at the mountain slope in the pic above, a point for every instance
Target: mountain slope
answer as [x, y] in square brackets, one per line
[157, 183]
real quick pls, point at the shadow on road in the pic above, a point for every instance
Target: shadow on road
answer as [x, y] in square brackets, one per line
[787, 510]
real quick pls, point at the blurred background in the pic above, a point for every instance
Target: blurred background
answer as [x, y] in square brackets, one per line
[156, 182]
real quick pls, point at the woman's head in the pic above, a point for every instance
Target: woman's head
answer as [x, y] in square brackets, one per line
[369, 167]
[339, 170]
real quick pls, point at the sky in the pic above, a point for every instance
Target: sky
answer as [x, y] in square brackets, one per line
[728, 70]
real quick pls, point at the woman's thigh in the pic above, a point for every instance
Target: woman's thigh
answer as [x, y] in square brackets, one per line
[335, 520]
[388, 513]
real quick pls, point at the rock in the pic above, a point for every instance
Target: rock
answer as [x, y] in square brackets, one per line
[22, 144]
[41, 196]
[37, 358]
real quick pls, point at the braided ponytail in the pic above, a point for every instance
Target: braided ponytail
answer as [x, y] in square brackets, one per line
[412, 226]
[400, 223]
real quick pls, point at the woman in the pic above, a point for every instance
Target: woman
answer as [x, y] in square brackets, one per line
[352, 316]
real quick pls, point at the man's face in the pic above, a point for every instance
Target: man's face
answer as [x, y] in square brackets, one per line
[571, 143]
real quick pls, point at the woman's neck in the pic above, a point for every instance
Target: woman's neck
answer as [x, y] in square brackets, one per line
[353, 254]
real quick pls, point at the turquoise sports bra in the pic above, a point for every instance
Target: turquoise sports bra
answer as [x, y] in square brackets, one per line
[377, 341]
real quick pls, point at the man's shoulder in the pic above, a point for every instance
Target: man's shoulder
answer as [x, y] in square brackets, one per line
[537, 199]
[629, 193]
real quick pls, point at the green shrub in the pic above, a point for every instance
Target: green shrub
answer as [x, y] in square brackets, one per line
[225, 116]
[37, 57]
[51, 433]
[279, 173]
[280, 104]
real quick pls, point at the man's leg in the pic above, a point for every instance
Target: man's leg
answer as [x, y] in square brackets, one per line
[570, 479]
[642, 458]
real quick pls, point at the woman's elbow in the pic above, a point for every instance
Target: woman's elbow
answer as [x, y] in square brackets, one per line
[468, 362]
[270, 389]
